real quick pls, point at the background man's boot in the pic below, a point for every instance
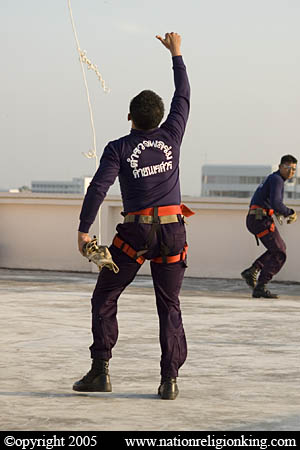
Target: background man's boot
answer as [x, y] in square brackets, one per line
[96, 380]
[261, 291]
[250, 276]
[168, 389]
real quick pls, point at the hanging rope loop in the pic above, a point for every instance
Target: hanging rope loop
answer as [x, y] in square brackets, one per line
[90, 154]
[84, 60]
[91, 66]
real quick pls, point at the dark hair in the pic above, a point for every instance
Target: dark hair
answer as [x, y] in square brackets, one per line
[288, 159]
[146, 110]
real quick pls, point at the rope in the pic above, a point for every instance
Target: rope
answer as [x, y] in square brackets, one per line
[83, 59]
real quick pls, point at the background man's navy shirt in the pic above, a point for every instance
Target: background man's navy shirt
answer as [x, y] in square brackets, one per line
[146, 162]
[269, 194]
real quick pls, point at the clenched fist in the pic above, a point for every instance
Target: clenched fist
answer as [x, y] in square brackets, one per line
[172, 41]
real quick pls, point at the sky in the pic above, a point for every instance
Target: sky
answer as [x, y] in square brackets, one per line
[243, 61]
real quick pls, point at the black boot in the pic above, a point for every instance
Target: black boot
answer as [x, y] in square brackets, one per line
[96, 380]
[261, 291]
[168, 389]
[250, 276]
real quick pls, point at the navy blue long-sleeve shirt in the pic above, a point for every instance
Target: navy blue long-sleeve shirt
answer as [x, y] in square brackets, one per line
[269, 195]
[146, 162]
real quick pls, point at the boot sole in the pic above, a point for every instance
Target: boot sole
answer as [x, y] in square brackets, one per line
[92, 388]
[168, 397]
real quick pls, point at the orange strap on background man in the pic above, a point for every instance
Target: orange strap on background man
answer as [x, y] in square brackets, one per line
[267, 231]
[269, 212]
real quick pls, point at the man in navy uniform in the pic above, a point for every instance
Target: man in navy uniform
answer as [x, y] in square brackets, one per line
[266, 201]
[147, 164]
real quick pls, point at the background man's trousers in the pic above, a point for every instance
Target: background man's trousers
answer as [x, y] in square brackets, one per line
[167, 280]
[273, 259]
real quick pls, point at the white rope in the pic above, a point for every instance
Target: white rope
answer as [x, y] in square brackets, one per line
[91, 66]
[83, 59]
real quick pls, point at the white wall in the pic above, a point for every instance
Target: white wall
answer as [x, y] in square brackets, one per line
[39, 231]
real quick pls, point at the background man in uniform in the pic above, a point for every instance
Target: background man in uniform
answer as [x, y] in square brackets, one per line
[147, 164]
[267, 200]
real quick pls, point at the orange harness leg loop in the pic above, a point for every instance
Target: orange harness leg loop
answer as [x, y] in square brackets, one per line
[172, 259]
[267, 231]
[122, 245]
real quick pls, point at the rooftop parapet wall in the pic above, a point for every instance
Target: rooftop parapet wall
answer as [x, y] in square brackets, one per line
[39, 231]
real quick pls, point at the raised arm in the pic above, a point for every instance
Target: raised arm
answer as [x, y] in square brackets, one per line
[180, 106]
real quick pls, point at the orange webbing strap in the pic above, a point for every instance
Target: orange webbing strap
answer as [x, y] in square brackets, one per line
[165, 211]
[255, 207]
[172, 259]
[270, 212]
[185, 211]
[119, 243]
[267, 231]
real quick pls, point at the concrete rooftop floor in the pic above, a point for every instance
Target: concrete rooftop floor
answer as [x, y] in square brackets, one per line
[242, 371]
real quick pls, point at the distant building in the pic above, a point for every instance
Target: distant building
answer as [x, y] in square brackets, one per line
[76, 186]
[240, 181]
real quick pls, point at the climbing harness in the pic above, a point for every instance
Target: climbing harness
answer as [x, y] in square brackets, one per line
[259, 213]
[126, 248]
[156, 216]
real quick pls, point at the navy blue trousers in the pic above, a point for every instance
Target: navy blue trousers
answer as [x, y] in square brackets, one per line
[167, 281]
[274, 258]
